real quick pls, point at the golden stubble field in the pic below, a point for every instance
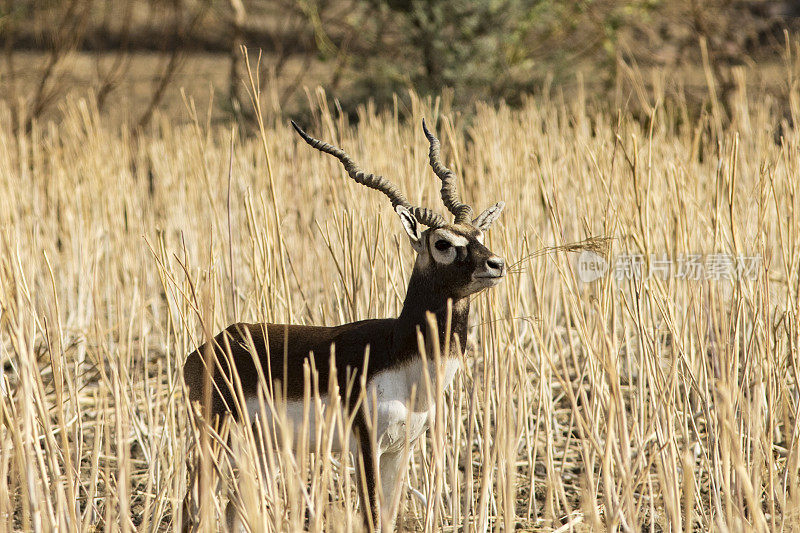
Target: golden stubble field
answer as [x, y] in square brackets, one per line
[632, 403]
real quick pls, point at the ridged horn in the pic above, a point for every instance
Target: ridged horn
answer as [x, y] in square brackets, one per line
[450, 195]
[379, 183]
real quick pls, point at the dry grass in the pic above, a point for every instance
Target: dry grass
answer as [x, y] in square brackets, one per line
[616, 405]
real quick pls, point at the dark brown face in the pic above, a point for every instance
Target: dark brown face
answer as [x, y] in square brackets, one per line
[456, 258]
[453, 256]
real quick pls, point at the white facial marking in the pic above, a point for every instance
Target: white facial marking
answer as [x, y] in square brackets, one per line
[444, 257]
[454, 238]
[478, 284]
[480, 236]
[447, 255]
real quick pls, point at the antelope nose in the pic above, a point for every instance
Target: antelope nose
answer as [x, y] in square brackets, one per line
[495, 266]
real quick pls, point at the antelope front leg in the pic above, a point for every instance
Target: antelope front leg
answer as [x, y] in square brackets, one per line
[190, 514]
[393, 467]
[366, 473]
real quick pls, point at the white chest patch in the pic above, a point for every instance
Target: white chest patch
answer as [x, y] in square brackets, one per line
[400, 422]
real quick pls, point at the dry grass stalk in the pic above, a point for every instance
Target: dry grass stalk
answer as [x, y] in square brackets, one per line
[629, 404]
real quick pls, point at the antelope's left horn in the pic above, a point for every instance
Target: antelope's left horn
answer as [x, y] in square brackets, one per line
[450, 195]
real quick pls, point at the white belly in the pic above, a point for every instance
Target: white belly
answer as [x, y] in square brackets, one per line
[302, 423]
[388, 392]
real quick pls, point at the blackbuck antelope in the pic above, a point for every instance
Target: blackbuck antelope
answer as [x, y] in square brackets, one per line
[452, 264]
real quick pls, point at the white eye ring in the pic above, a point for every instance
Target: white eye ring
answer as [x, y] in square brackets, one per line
[443, 253]
[444, 245]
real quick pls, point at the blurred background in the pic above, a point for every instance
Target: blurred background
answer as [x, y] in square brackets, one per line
[141, 57]
[140, 205]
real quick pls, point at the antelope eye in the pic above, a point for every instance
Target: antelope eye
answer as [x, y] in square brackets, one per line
[442, 245]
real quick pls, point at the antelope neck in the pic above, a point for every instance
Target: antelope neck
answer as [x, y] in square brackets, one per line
[424, 296]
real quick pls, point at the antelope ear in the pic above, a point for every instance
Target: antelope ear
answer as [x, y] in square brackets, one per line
[411, 225]
[487, 218]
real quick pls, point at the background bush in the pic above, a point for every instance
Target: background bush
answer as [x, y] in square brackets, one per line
[141, 53]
